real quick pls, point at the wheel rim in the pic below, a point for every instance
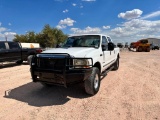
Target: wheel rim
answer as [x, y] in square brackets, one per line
[96, 82]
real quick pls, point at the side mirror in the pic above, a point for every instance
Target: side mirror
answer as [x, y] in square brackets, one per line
[110, 46]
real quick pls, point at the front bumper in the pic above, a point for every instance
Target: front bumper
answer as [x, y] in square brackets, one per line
[64, 75]
[59, 78]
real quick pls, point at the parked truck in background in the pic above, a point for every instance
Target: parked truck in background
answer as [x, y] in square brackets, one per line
[154, 47]
[13, 51]
[82, 58]
[141, 45]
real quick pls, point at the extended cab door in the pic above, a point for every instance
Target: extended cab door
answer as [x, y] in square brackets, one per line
[14, 51]
[107, 60]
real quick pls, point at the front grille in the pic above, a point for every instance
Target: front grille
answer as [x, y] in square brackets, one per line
[47, 63]
[54, 64]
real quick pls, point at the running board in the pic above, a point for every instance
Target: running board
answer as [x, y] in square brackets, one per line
[106, 71]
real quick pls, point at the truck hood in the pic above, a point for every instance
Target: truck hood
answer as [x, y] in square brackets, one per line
[75, 52]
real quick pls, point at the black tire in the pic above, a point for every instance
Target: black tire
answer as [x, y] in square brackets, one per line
[92, 84]
[116, 64]
[19, 62]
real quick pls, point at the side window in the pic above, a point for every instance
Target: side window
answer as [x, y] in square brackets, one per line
[104, 40]
[13, 45]
[2, 46]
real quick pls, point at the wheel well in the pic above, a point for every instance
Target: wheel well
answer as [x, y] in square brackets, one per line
[97, 64]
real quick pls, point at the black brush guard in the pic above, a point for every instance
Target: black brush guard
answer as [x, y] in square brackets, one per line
[58, 69]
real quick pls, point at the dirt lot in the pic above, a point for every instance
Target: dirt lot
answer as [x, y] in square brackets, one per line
[131, 93]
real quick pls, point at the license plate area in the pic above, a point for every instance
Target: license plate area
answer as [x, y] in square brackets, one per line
[44, 75]
[50, 77]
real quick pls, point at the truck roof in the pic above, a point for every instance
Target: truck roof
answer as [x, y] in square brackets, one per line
[87, 34]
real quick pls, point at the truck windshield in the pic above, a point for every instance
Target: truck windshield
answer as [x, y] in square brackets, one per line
[83, 41]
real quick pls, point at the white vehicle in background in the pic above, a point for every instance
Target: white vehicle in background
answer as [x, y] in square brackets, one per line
[83, 58]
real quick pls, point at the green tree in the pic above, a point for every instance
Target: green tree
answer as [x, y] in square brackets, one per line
[48, 37]
[31, 37]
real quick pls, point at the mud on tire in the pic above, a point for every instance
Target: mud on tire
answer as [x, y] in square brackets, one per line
[92, 84]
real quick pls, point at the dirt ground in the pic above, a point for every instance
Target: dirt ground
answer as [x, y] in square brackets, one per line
[131, 93]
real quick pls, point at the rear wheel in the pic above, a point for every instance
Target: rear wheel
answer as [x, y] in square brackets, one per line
[116, 64]
[92, 84]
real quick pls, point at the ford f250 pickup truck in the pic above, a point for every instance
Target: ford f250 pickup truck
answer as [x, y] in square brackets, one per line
[12, 51]
[82, 58]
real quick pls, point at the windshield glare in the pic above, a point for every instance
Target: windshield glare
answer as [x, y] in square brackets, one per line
[83, 41]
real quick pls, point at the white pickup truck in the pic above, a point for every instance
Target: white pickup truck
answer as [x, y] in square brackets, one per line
[82, 58]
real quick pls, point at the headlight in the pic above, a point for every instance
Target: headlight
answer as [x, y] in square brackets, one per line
[81, 63]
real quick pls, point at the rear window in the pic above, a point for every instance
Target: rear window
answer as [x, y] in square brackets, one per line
[2, 46]
[13, 45]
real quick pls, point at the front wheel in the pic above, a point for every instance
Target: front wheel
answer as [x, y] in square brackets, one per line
[92, 84]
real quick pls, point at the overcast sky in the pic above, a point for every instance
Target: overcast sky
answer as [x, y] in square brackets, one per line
[123, 20]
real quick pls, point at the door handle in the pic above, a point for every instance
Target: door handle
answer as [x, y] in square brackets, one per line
[101, 55]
